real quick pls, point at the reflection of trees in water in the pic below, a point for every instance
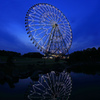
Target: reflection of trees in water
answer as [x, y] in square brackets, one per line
[11, 74]
[87, 68]
[52, 86]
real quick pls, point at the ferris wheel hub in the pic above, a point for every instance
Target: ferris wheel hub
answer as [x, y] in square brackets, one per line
[55, 25]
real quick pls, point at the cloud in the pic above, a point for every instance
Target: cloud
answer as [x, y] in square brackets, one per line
[86, 31]
[11, 41]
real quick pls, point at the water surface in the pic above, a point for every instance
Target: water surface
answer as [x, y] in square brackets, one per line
[84, 87]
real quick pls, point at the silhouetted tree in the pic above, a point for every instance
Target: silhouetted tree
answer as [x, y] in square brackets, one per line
[33, 55]
[88, 55]
[9, 53]
[57, 59]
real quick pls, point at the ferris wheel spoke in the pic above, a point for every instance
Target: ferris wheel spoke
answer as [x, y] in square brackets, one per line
[61, 20]
[37, 14]
[67, 35]
[43, 8]
[39, 11]
[49, 17]
[58, 17]
[48, 8]
[53, 14]
[60, 14]
[56, 14]
[63, 25]
[40, 25]
[65, 31]
[30, 20]
[40, 33]
[46, 20]
[62, 38]
[34, 16]
[66, 39]
[45, 41]
[50, 14]
[65, 28]
[31, 11]
[29, 23]
[41, 38]
[46, 17]
[35, 21]
[36, 29]
[50, 37]
[47, 29]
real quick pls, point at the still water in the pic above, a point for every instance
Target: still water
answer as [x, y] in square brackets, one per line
[84, 87]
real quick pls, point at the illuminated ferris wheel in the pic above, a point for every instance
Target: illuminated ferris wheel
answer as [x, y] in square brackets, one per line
[48, 29]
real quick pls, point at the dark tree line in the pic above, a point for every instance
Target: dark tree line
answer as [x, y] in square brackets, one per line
[88, 55]
[33, 55]
[9, 53]
[15, 54]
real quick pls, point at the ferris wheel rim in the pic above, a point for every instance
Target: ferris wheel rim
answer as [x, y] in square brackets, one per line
[39, 46]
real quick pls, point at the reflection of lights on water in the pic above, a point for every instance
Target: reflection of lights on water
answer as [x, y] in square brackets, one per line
[52, 86]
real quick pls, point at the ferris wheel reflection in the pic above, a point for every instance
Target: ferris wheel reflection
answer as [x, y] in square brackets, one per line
[51, 86]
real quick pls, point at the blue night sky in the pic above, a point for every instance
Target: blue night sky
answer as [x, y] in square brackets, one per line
[83, 16]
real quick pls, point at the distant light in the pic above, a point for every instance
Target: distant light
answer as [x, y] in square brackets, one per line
[68, 57]
[51, 57]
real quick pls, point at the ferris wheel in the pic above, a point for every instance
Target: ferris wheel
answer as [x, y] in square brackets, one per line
[48, 29]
